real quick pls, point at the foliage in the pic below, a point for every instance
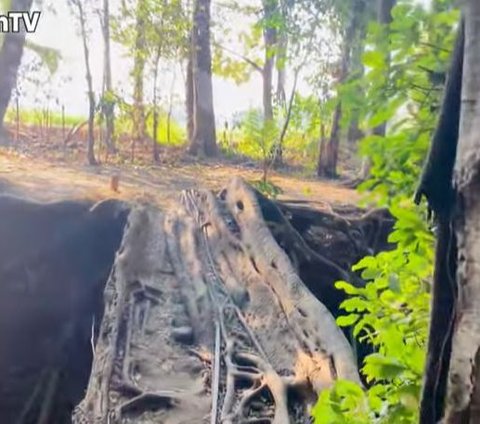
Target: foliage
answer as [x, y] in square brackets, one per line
[267, 188]
[260, 137]
[391, 312]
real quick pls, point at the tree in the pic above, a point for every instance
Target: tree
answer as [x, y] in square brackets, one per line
[10, 57]
[108, 102]
[327, 163]
[264, 28]
[451, 185]
[166, 30]
[79, 10]
[204, 138]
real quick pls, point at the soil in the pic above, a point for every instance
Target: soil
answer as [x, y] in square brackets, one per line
[45, 171]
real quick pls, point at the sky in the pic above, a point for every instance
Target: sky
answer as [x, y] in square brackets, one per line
[58, 30]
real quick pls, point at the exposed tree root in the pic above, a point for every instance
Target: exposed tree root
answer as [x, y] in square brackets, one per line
[234, 294]
[220, 310]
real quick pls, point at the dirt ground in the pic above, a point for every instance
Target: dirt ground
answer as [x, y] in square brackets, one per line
[49, 179]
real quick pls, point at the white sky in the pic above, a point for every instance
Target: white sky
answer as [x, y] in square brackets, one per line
[58, 30]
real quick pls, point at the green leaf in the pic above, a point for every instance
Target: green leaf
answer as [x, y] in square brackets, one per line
[382, 368]
[374, 59]
[354, 304]
[346, 287]
[347, 320]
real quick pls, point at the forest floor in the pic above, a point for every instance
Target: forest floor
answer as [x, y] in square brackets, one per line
[45, 176]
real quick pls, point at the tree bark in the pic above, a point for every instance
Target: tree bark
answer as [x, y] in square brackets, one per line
[108, 88]
[463, 396]
[10, 59]
[138, 74]
[450, 182]
[204, 137]
[327, 162]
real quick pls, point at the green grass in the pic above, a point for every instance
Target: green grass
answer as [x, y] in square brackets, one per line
[123, 124]
[37, 117]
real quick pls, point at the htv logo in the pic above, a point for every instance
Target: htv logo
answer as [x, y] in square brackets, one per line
[18, 21]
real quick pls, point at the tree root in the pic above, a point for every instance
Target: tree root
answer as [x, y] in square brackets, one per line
[261, 347]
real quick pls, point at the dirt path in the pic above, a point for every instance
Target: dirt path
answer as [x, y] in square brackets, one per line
[48, 180]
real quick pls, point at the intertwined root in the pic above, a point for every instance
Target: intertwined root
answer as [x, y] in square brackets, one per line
[206, 320]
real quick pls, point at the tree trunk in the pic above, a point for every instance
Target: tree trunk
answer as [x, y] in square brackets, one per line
[327, 163]
[204, 138]
[138, 73]
[327, 166]
[10, 58]
[91, 96]
[277, 148]
[463, 397]
[270, 40]
[108, 88]
[450, 181]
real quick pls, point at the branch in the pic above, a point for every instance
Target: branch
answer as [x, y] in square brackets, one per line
[252, 63]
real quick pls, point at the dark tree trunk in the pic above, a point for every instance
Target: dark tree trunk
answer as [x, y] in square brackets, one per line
[108, 103]
[327, 163]
[10, 59]
[204, 139]
[437, 186]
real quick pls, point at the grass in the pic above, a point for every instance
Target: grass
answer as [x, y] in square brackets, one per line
[123, 124]
[38, 117]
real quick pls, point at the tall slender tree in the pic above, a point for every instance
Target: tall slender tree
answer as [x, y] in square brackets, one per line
[327, 162]
[80, 12]
[204, 138]
[107, 95]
